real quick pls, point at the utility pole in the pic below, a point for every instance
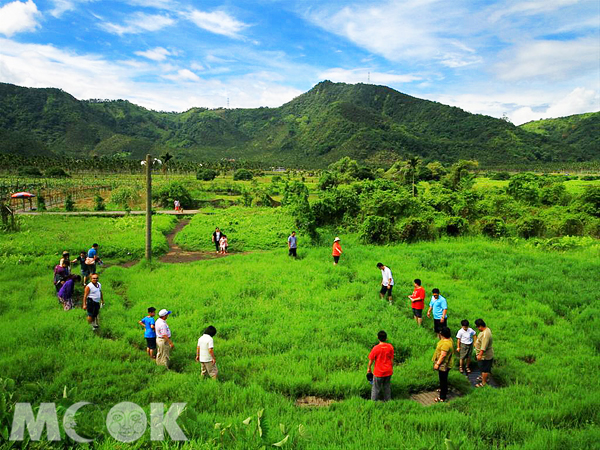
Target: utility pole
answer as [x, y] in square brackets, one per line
[148, 208]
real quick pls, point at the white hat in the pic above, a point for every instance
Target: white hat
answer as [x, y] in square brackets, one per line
[336, 239]
[163, 313]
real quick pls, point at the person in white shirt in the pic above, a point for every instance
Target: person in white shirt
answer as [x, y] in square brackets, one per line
[464, 345]
[387, 282]
[92, 301]
[205, 353]
[163, 339]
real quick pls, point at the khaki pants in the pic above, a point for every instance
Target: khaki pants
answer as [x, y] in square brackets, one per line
[163, 353]
[210, 369]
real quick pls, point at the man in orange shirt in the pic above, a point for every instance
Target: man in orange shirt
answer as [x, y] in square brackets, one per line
[417, 300]
[383, 357]
[337, 251]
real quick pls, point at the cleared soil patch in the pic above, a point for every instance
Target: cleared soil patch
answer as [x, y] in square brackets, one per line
[427, 398]
[312, 401]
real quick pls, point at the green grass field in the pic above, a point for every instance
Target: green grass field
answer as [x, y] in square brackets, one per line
[291, 328]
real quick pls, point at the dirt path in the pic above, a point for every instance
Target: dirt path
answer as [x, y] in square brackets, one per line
[104, 213]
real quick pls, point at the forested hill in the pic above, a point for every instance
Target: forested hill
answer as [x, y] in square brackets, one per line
[373, 124]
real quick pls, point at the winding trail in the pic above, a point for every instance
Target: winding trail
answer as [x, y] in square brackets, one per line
[177, 255]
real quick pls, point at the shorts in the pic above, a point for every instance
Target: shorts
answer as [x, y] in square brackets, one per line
[418, 313]
[92, 307]
[336, 259]
[209, 368]
[438, 324]
[91, 268]
[466, 350]
[292, 252]
[485, 365]
[84, 272]
[151, 343]
[385, 289]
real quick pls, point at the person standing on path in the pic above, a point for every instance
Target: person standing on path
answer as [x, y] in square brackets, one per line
[387, 282]
[292, 244]
[216, 238]
[485, 351]
[417, 300]
[148, 323]
[383, 357]
[163, 339]
[93, 300]
[205, 353]
[439, 306]
[337, 251]
[443, 359]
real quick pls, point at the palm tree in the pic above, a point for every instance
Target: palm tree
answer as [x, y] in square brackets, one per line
[165, 159]
[410, 170]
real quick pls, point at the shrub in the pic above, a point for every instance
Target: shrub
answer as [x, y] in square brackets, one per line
[590, 199]
[57, 172]
[571, 225]
[528, 227]
[377, 230]
[29, 171]
[69, 203]
[123, 196]
[454, 226]
[500, 176]
[166, 195]
[206, 174]
[554, 194]
[328, 180]
[416, 229]
[242, 174]
[99, 203]
[493, 227]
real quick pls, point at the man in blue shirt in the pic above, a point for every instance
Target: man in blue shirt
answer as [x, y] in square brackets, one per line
[292, 244]
[439, 306]
[149, 332]
[92, 259]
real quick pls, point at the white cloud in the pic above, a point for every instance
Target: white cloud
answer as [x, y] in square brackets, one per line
[62, 6]
[139, 23]
[157, 4]
[218, 22]
[554, 60]
[532, 7]
[362, 75]
[576, 102]
[183, 75]
[17, 17]
[155, 54]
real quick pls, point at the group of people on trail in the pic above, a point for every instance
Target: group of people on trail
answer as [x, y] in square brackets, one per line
[220, 240]
[158, 338]
[65, 281]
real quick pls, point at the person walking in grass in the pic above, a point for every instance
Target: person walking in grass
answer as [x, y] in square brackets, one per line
[387, 282]
[485, 351]
[417, 301]
[92, 259]
[205, 353]
[164, 343]
[223, 244]
[382, 355]
[464, 345]
[65, 294]
[337, 251]
[216, 238]
[83, 267]
[93, 299]
[439, 306]
[292, 244]
[148, 323]
[443, 359]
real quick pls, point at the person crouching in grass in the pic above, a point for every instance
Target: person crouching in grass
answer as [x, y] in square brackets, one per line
[464, 345]
[383, 357]
[205, 353]
[149, 333]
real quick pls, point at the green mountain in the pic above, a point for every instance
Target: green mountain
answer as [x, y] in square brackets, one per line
[373, 124]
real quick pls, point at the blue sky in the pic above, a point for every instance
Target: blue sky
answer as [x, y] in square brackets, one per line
[527, 59]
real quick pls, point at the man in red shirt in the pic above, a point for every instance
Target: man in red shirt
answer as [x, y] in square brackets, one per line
[383, 357]
[417, 300]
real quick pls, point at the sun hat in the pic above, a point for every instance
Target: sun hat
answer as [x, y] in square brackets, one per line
[336, 239]
[164, 312]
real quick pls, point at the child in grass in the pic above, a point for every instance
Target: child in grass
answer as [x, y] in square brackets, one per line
[464, 347]
[149, 332]
[205, 353]
[223, 244]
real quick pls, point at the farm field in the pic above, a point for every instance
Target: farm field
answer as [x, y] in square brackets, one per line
[292, 328]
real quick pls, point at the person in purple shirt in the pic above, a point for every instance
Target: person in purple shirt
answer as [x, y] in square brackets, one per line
[65, 294]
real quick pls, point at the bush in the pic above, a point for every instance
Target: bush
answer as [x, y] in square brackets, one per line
[571, 225]
[57, 172]
[29, 171]
[166, 195]
[328, 180]
[69, 203]
[377, 230]
[41, 202]
[123, 196]
[416, 229]
[554, 194]
[242, 174]
[524, 187]
[206, 174]
[454, 226]
[528, 227]
[591, 200]
[493, 227]
[99, 203]
[500, 176]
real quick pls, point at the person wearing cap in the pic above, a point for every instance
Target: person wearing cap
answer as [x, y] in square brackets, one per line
[163, 339]
[337, 251]
[387, 282]
[383, 357]
[93, 299]
[205, 353]
[148, 323]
